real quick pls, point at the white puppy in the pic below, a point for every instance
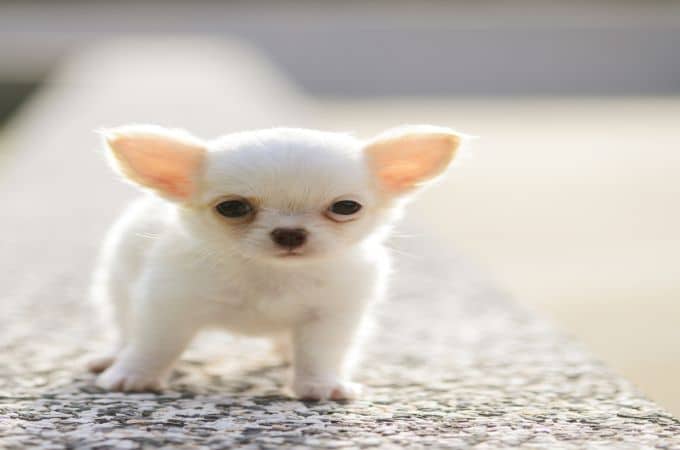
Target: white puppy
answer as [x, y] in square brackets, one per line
[273, 233]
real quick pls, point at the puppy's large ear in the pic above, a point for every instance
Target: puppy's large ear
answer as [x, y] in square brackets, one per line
[167, 161]
[403, 158]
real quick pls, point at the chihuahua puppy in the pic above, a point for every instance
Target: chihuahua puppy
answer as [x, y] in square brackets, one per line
[275, 233]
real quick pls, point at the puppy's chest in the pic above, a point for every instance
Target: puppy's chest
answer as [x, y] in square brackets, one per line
[274, 298]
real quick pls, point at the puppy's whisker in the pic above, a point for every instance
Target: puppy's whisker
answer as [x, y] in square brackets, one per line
[402, 252]
[404, 235]
[148, 235]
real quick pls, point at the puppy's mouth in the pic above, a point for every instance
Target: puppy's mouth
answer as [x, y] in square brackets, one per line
[293, 253]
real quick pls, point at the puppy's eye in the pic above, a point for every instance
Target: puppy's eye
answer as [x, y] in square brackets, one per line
[345, 207]
[234, 208]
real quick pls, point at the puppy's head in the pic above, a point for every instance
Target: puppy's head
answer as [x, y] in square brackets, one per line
[283, 194]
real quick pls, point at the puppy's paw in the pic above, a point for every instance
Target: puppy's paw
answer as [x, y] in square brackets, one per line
[98, 365]
[121, 379]
[309, 389]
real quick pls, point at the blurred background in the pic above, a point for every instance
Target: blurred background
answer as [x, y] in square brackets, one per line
[570, 199]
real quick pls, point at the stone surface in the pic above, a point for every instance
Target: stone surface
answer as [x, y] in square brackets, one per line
[452, 363]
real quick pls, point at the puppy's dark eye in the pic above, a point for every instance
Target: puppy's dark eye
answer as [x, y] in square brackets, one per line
[234, 208]
[345, 207]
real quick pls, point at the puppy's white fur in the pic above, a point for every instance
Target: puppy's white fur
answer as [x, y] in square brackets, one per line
[172, 265]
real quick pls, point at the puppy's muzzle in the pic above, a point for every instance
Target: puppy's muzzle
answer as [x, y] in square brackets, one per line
[289, 238]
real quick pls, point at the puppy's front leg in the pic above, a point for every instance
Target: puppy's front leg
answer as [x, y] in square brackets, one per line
[157, 339]
[323, 350]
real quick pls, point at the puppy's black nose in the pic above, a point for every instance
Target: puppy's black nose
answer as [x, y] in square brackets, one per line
[289, 238]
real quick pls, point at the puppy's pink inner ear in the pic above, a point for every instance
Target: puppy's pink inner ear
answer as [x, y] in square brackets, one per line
[167, 165]
[401, 163]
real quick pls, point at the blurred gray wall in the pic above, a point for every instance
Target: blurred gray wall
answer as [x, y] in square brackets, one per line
[389, 48]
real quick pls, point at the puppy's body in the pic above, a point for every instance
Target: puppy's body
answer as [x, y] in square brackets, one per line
[290, 264]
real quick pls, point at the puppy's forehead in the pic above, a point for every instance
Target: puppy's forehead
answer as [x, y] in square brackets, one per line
[286, 168]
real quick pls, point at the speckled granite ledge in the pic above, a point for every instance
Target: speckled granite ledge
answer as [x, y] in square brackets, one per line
[451, 365]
